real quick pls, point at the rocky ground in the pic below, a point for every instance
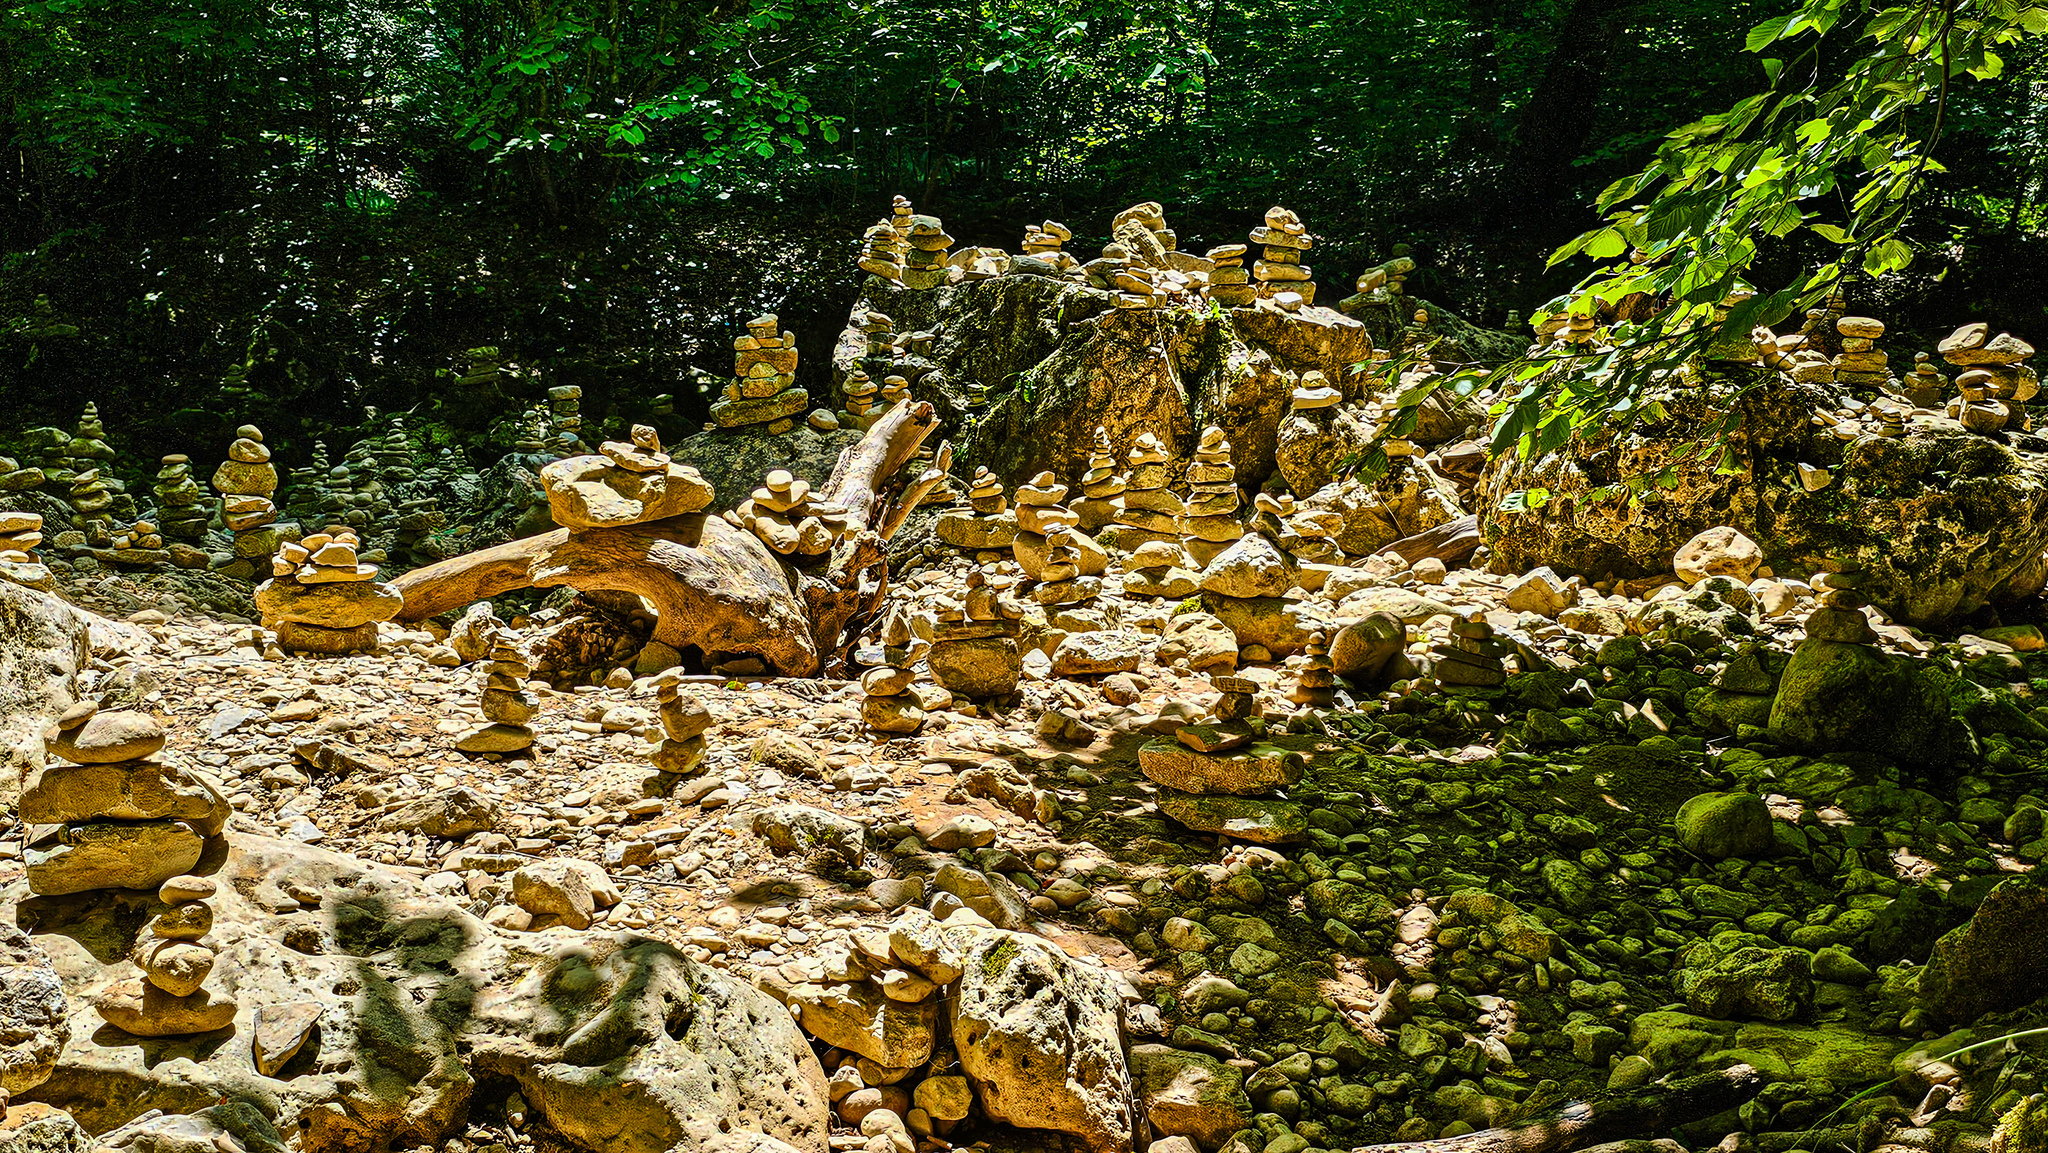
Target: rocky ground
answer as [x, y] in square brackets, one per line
[1607, 871]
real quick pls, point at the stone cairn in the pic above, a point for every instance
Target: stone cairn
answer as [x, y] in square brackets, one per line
[182, 508]
[1221, 777]
[859, 412]
[1151, 511]
[87, 448]
[1995, 382]
[684, 721]
[1064, 578]
[1925, 387]
[1472, 658]
[1102, 486]
[883, 246]
[246, 480]
[1229, 281]
[783, 515]
[123, 820]
[1039, 512]
[20, 533]
[1046, 239]
[974, 649]
[1840, 617]
[986, 524]
[508, 708]
[92, 507]
[140, 545]
[624, 483]
[924, 261]
[305, 497]
[1209, 524]
[565, 413]
[1313, 393]
[894, 388]
[764, 389]
[1159, 568]
[367, 502]
[898, 638]
[322, 598]
[1387, 280]
[1861, 364]
[1284, 239]
[1316, 687]
[888, 705]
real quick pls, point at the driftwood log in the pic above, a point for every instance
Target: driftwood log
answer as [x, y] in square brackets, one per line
[717, 588]
[1631, 1116]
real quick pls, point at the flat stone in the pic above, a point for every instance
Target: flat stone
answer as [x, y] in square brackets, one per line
[1261, 821]
[1259, 769]
[109, 855]
[108, 736]
[138, 1007]
[280, 1032]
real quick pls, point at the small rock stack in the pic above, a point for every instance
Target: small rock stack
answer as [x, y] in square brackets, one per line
[625, 483]
[1229, 281]
[1316, 687]
[367, 503]
[783, 515]
[894, 389]
[974, 649]
[321, 597]
[1995, 382]
[1473, 658]
[246, 480]
[1861, 363]
[1314, 392]
[306, 496]
[764, 389]
[507, 707]
[1158, 568]
[1046, 239]
[1387, 279]
[1151, 511]
[990, 524]
[1925, 387]
[888, 704]
[860, 402]
[20, 533]
[92, 505]
[1221, 777]
[121, 819]
[412, 537]
[883, 246]
[393, 454]
[684, 721]
[1038, 513]
[87, 448]
[1209, 523]
[924, 262]
[182, 507]
[565, 413]
[1102, 487]
[1064, 577]
[170, 999]
[1284, 239]
[1840, 616]
[140, 545]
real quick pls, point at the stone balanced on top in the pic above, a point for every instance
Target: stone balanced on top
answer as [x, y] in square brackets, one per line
[764, 389]
[1223, 777]
[323, 598]
[986, 524]
[624, 483]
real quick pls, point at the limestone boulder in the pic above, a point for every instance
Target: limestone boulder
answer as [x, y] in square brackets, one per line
[586, 492]
[1993, 962]
[1041, 1036]
[1835, 696]
[1719, 551]
[332, 606]
[859, 1017]
[1192, 1095]
[33, 1014]
[44, 644]
[1252, 567]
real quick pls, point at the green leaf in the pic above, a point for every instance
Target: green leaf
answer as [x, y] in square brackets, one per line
[1606, 244]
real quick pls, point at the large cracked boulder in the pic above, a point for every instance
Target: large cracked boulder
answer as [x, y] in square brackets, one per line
[1943, 520]
[378, 1009]
[1041, 1037]
[33, 1022]
[43, 645]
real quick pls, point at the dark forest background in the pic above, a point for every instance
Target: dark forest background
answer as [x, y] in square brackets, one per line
[226, 211]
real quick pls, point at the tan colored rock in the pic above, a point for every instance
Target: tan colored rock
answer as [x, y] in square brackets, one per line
[1721, 551]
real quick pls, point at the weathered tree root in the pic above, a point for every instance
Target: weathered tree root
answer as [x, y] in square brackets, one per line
[1629, 1117]
[718, 588]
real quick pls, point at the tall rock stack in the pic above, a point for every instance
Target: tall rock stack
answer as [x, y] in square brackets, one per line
[1221, 776]
[1994, 370]
[1038, 513]
[1209, 523]
[246, 480]
[368, 503]
[308, 488]
[1229, 281]
[782, 513]
[1284, 239]
[1151, 511]
[1473, 658]
[92, 507]
[321, 597]
[182, 508]
[171, 999]
[1316, 687]
[508, 707]
[684, 721]
[974, 650]
[924, 264]
[106, 814]
[86, 448]
[20, 533]
[764, 389]
[888, 704]
[1861, 363]
[565, 413]
[986, 524]
[885, 244]
[1102, 486]
[860, 410]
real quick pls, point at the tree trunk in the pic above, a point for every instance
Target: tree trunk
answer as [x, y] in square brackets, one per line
[716, 587]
